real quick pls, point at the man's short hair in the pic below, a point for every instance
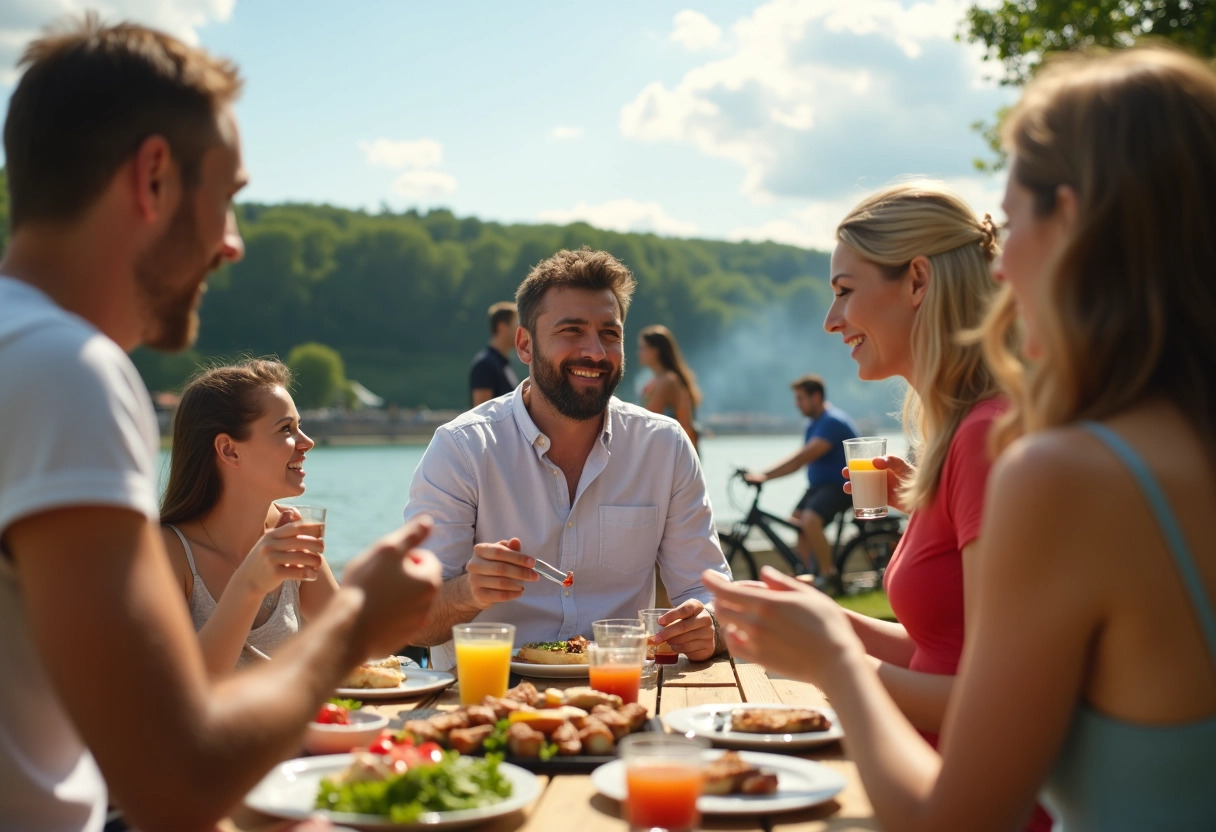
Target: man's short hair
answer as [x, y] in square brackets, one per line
[810, 384]
[501, 313]
[90, 95]
[582, 269]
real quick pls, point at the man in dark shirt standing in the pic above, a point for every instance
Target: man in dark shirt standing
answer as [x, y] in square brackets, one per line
[490, 374]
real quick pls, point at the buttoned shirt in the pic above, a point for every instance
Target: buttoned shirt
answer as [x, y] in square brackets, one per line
[641, 500]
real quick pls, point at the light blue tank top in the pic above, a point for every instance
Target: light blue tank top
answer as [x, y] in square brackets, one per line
[1116, 775]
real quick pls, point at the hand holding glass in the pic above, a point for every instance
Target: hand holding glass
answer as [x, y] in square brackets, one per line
[660, 653]
[869, 483]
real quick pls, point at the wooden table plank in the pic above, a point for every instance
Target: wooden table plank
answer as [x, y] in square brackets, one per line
[759, 687]
[674, 698]
[685, 673]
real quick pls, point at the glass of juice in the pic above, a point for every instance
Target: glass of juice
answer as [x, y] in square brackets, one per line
[617, 669]
[483, 659]
[313, 514]
[661, 653]
[869, 484]
[662, 781]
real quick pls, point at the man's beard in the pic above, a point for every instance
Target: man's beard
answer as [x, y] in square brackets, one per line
[169, 276]
[579, 405]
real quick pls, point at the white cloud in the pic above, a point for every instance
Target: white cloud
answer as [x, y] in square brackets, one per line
[814, 224]
[694, 31]
[423, 184]
[622, 215]
[564, 133]
[386, 153]
[24, 20]
[816, 96]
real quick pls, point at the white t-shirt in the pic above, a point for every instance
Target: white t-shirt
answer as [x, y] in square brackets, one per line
[78, 429]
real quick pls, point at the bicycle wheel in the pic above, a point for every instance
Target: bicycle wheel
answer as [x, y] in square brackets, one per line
[738, 557]
[865, 559]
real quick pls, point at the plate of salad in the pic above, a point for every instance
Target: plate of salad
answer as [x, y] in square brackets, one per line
[396, 785]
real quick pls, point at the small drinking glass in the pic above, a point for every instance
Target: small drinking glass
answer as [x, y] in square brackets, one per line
[483, 659]
[618, 632]
[313, 514]
[869, 484]
[617, 669]
[662, 781]
[661, 653]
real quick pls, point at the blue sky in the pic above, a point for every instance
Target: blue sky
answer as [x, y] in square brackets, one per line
[726, 120]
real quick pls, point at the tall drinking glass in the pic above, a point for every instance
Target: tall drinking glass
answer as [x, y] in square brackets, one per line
[869, 484]
[662, 781]
[618, 632]
[483, 659]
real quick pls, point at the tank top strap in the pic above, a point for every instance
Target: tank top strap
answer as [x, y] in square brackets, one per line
[1169, 524]
[186, 546]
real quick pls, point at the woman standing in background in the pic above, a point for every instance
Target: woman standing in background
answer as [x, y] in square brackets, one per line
[673, 390]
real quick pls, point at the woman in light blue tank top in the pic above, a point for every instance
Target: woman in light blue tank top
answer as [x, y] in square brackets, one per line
[250, 570]
[1089, 672]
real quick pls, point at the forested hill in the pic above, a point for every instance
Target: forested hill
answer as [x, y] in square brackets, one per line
[403, 298]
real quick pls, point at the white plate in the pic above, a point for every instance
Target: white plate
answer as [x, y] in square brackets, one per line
[713, 723]
[550, 671]
[417, 682]
[800, 783]
[290, 791]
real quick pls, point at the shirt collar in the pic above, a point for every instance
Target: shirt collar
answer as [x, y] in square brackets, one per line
[538, 440]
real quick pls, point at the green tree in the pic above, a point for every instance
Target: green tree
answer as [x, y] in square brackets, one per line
[320, 378]
[1019, 33]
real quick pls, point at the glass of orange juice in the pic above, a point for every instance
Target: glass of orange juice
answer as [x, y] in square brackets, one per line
[617, 668]
[662, 781]
[483, 659]
[869, 484]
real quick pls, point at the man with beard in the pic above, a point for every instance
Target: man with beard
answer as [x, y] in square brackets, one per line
[561, 470]
[123, 158]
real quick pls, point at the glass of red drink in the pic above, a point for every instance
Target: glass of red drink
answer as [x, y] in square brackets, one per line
[663, 781]
[617, 669]
[661, 652]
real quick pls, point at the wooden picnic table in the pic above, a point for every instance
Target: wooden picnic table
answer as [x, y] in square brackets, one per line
[569, 801]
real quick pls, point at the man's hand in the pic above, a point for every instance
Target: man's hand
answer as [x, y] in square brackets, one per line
[498, 572]
[688, 629]
[753, 478]
[399, 582]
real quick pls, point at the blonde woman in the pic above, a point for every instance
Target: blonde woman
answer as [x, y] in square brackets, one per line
[673, 390]
[1090, 666]
[911, 273]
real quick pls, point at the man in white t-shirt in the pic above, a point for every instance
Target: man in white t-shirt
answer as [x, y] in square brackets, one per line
[123, 156]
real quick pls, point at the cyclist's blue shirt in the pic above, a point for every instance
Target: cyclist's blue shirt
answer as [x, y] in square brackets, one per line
[834, 426]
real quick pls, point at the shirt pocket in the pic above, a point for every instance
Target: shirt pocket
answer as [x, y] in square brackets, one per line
[629, 538]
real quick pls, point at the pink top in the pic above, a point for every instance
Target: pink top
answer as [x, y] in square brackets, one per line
[924, 581]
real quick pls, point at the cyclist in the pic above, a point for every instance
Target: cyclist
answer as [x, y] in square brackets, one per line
[822, 453]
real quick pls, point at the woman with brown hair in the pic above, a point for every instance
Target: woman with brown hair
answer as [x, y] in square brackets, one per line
[673, 389]
[1089, 669]
[249, 569]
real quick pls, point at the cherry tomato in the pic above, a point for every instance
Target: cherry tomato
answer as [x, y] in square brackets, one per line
[430, 752]
[383, 745]
[331, 714]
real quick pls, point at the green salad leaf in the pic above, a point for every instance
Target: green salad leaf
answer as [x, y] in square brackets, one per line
[457, 782]
[349, 704]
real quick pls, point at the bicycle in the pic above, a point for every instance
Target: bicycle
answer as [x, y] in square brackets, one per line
[860, 560]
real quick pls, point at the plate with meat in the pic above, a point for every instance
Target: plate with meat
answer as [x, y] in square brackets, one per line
[763, 727]
[551, 731]
[552, 659]
[745, 783]
[394, 677]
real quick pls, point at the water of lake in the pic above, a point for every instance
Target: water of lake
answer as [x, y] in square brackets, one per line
[365, 487]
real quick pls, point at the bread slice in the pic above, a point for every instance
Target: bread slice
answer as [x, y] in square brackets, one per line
[369, 676]
[573, 651]
[778, 720]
